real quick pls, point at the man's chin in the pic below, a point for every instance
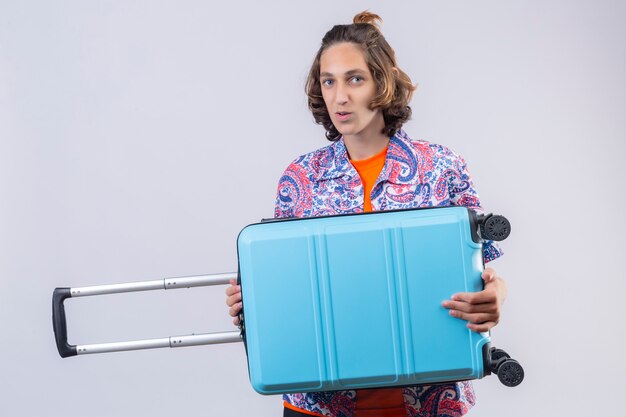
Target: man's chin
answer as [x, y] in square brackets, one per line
[344, 130]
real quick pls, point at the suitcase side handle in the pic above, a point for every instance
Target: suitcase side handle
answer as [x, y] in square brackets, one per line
[59, 324]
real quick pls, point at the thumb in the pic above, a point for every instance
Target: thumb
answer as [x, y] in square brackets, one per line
[488, 275]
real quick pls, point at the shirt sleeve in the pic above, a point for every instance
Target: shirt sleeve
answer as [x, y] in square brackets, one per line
[292, 193]
[463, 193]
[284, 198]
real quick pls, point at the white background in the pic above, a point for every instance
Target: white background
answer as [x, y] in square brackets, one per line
[138, 138]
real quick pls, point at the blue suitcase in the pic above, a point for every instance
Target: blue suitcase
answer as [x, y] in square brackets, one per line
[346, 302]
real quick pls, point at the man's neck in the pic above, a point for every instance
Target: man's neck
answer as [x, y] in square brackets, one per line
[365, 144]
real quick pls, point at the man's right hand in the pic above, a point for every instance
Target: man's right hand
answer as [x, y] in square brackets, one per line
[233, 299]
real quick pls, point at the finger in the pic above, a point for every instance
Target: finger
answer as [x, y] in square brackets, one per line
[489, 274]
[482, 327]
[235, 309]
[484, 296]
[233, 282]
[236, 321]
[474, 318]
[470, 308]
[233, 290]
[235, 296]
[459, 305]
[230, 301]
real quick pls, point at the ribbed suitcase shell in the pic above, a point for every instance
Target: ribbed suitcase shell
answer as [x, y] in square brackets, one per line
[354, 301]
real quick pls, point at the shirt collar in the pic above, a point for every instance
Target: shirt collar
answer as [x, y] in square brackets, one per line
[401, 164]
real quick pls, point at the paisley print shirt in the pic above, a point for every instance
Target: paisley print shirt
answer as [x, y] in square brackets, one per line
[415, 174]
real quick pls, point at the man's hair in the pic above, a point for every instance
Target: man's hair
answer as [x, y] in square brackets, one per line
[393, 86]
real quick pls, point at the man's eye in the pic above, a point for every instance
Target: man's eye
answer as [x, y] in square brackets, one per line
[327, 82]
[357, 79]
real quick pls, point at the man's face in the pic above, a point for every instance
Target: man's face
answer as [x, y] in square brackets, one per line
[348, 88]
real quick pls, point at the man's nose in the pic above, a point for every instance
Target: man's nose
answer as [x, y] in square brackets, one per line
[342, 94]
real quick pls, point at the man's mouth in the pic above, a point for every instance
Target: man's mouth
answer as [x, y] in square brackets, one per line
[343, 115]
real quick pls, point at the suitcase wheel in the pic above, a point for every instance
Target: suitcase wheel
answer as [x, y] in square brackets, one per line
[510, 373]
[495, 227]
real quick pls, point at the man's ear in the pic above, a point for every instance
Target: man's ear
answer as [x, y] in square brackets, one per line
[396, 71]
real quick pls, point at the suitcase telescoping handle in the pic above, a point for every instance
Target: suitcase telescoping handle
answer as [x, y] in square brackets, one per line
[60, 325]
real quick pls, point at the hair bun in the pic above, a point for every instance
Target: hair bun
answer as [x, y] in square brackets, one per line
[369, 18]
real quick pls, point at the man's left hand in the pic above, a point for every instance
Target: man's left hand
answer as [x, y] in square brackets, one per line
[480, 309]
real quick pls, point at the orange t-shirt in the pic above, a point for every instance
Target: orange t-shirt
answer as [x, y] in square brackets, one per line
[369, 169]
[386, 402]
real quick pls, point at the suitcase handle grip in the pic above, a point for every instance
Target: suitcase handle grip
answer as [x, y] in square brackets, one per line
[59, 324]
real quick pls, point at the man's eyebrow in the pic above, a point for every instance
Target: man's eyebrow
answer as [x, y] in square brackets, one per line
[348, 73]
